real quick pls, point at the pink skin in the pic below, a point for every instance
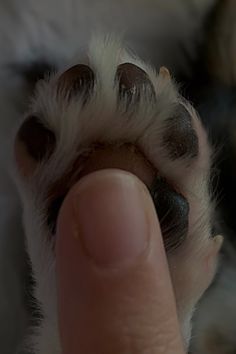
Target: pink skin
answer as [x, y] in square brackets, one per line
[114, 289]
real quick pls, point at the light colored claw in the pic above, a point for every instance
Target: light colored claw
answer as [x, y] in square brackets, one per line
[164, 72]
[219, 239]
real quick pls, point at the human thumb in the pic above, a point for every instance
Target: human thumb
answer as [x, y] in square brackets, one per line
[114, 290]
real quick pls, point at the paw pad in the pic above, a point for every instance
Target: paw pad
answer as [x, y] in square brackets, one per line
[38, 140]
[76, 80]
[180, 138]
[132, 80]
[173, 212]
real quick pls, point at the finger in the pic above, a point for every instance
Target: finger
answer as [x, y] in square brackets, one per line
[114, 289]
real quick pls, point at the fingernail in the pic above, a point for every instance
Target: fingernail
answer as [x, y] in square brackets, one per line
[111, 218]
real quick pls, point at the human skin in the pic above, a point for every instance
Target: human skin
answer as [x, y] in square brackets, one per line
[114, 290]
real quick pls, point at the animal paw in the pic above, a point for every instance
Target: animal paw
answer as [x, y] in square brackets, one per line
[114, 111]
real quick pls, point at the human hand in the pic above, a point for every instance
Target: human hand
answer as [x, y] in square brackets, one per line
[114, 290]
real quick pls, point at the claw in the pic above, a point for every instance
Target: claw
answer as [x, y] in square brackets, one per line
[219, 239]
[164, 72]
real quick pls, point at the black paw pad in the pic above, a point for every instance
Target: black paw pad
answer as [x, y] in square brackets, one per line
[132, 80]
[180, 138]
[76, 80]
[173, 211]
[38, 140]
